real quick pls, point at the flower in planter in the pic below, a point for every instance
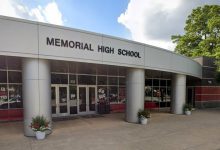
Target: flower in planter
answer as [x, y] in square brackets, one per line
[39, 123]
[187, 107]
[144, 114]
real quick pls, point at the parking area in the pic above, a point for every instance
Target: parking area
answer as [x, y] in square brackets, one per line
[165, 131]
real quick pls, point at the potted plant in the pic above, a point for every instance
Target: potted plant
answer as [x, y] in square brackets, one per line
[143, 116]
[39, 125]
[188, 109]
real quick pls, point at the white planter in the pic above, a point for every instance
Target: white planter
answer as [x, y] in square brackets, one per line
[143, 120]
[40, 135]
[187, 112]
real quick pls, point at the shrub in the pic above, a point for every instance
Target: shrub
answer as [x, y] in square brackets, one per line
[187, 107]
[144, 113]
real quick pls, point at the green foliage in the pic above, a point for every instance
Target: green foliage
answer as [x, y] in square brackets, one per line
[202, 33]
[187, 107]
[39, 123]
[144, 113]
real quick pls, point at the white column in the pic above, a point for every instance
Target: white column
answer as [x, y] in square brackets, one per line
[135, 81]
[178, 93]
[36, 91]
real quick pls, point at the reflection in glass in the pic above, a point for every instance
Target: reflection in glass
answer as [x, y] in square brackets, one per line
[3, 97]
[168, 82]
[63, 99]
[112, 70]
[121, 81]
[2, 62]
[168, 96]
[73, 99]
[14, 63]
[121, 95]
[148, 93]
[162, 82]
[85, 68]
[163, 97]
[72, 79]
[160, 93]
[148, 82]
[15, 99]
[113, 94]
[122, 71]
[59, 78]
[102, 80]
[156, 94]
[3, 77]
[82, 99]
[72, 67]
[59, 66]
[155, 82]
[91, 98]
[53, 100]
[86, 80]
[14, 77]
[112, 80]
[102, 70]
[102, 93]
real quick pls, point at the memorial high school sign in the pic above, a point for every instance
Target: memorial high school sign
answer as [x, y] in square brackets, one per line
[88, 46]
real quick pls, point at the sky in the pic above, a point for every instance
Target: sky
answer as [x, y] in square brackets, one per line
[148, 21]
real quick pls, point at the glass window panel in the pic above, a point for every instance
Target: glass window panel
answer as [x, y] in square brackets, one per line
[162, 82]
[72, 79]
[73, 94]
[86, 80]
[3, 96]
[156, 94]
[122, 71]
[14, 63]
[72, 67]
[63, 99]
[148, 82]
[113, 94]
[168, 82]
[14, 77]
[112, 80]
[102, 70]
[59, 78]
[102, 80]
[53, 100]
[112, 70]
[73, 99]
[59, 66]
[15, 96]
[148, 93]
[168, 95]
[122, 81]
[82, 99]
[3, 77]
[162, 94]
[92, 98]
[122, 95]
[2, 62]
[102, 93]
[155, 82]
[84, 68]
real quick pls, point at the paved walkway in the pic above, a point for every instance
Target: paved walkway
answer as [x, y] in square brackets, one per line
[165, 131]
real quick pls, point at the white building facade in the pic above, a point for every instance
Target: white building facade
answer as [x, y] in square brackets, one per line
[67, 72]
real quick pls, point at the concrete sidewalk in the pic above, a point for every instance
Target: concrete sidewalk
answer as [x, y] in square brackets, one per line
[165, 131]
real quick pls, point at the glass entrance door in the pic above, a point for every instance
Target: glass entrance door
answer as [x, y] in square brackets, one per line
[59, 100]
[190, 96]
[86, 99]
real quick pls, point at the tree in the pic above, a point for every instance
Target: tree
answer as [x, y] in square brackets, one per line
[202, 33]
